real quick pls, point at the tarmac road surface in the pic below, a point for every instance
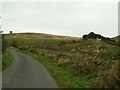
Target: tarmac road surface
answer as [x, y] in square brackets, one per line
[26, 72]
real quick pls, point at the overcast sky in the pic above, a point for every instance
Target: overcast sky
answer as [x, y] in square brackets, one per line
[61, 17]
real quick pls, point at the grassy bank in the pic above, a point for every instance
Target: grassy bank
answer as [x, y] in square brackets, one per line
[7, 59]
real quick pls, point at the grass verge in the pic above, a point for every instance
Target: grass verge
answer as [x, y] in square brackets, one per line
[7, 59]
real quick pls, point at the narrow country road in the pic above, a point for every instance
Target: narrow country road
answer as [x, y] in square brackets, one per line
[26, 72]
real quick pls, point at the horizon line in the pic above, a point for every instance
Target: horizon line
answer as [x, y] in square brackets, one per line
[54, 34]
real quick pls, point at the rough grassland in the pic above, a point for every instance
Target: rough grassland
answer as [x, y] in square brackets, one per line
[73, 62]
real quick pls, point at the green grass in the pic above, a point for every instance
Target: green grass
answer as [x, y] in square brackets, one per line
[37, 39]
[0, 62]
[7, 59]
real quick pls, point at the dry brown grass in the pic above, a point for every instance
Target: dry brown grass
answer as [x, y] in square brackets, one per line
[63, 62]
[109, 77]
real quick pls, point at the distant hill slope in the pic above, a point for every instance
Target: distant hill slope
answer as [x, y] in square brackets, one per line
[38, 39]
[117, 38]
[44, 36]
